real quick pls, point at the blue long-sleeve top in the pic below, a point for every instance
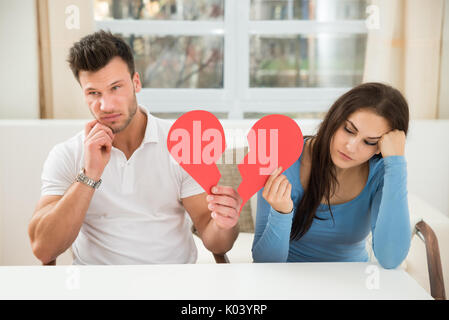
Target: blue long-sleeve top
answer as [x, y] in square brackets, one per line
[381, 208]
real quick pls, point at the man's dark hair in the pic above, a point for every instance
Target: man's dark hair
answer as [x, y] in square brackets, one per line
[94, 51]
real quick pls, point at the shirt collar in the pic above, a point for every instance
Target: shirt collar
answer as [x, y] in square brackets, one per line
[151, 133]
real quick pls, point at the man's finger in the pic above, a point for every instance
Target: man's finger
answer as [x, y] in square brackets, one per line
[224, 190]
[223, 200]
[223, 221]
[107, 130]
[225, 211]
[95, 129]
[88, 127]
[98, 134]
[99, 127]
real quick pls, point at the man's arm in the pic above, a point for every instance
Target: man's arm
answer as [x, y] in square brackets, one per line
[218, 230]
[57, 221]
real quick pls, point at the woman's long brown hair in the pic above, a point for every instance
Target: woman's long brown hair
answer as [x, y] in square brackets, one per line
[385, 101]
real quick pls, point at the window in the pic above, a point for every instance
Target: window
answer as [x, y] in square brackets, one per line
[241, 58]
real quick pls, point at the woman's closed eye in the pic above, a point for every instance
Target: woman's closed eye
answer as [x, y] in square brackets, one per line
[366, 142]
[349, 131]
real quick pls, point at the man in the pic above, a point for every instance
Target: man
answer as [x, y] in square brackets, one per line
[137, 215]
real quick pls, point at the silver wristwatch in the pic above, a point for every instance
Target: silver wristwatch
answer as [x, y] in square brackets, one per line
[86, 180]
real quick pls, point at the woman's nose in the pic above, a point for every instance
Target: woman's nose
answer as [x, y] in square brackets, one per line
[351, 145]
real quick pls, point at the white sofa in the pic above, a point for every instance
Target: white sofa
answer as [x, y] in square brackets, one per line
[25, 144]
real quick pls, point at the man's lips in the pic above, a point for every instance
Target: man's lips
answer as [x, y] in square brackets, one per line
[345, 156]
[110, 117]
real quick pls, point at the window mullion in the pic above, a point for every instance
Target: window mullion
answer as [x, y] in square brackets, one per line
[307, 26]
[162, 28]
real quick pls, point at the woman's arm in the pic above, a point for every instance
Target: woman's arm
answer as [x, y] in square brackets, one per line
[272, 233]
[390, 219]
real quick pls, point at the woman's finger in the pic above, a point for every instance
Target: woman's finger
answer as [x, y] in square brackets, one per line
[270, 180]
[288, 191]
[275, 185]
[282, 187]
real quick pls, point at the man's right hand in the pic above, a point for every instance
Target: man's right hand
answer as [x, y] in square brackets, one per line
[97, 148]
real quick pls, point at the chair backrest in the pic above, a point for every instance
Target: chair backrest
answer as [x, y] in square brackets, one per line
[26, 144]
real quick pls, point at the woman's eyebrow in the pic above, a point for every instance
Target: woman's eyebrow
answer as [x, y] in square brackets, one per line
[355, 128]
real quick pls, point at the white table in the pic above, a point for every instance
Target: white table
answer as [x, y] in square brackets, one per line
[270, 281]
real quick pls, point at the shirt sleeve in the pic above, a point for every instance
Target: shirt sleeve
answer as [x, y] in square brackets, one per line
[272, 233]
[59, 172]
[189, 187]
[390, 219]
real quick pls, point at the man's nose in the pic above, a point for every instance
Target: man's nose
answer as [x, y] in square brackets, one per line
[106, 104]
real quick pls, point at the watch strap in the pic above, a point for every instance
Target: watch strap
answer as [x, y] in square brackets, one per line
[86, 180]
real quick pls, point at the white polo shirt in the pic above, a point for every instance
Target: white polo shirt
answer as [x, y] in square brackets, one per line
[136, 216]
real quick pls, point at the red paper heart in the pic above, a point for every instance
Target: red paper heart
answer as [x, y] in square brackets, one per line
[196, 141]
[282, 137]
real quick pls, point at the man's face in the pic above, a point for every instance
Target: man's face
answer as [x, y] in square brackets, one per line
[110, 94]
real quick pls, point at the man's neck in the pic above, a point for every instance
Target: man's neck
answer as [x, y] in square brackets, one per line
[132, 136]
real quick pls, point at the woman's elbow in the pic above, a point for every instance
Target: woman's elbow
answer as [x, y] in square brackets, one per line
[389, 264]
[392, 260]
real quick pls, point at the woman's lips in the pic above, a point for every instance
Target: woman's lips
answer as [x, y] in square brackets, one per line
[345, 157]
[111, 117]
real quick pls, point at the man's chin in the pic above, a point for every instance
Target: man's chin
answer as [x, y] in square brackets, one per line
[117, 129]
[114, 126]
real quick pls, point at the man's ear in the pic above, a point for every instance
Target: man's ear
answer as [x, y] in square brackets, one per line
[136, 82]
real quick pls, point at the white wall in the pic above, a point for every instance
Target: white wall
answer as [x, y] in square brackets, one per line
[68, 100]
[19, 91]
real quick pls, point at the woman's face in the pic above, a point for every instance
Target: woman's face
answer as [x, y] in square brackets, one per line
[356, 141]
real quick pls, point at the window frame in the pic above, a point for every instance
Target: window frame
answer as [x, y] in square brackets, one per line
[236, 97]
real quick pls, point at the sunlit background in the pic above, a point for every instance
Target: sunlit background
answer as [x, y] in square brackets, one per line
[235, 58]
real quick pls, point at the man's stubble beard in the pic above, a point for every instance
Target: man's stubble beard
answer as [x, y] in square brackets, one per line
[130, 117]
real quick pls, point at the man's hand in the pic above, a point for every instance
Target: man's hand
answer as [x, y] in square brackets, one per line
[392, 143]
[97, 148]
[225, 205]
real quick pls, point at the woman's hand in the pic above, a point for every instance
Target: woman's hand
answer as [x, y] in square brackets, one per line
[277, 192]
[392, 143]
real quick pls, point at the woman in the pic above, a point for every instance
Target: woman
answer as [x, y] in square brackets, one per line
[349, 180]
